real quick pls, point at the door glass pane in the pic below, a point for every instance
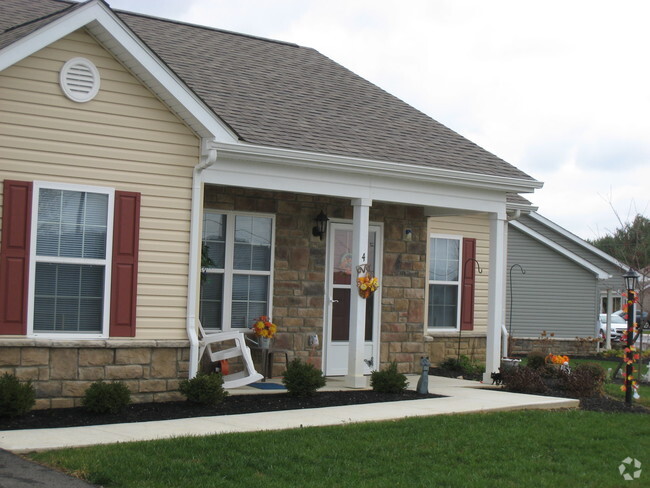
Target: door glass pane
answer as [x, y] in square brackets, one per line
[343, 270]
[68, 298]
[341, 314]
[342, 257]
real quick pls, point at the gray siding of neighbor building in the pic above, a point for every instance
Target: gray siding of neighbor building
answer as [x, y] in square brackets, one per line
[555, 295]
[616, 280]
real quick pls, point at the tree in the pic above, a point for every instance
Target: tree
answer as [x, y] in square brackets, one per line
[630, 244]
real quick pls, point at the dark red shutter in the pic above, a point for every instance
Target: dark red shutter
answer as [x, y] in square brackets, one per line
[469, 280]
[14, 256]
[124, 275]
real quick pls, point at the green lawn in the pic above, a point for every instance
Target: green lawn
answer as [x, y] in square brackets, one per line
[505, 449]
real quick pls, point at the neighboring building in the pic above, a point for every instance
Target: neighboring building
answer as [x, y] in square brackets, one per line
[565, 287]
[129, 144]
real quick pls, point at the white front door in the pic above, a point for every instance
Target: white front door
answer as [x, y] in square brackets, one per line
[341, 282]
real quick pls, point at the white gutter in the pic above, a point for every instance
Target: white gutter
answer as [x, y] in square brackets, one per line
[208, 158]
[351, 164]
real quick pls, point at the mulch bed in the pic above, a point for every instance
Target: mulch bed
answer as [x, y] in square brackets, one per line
[233, 404]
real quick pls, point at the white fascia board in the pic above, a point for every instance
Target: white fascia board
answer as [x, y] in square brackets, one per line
[323, 179]
[126, 46]
[560, 230]
[349, 164]
[600, 274]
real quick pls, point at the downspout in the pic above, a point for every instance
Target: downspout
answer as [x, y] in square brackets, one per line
[208, 158]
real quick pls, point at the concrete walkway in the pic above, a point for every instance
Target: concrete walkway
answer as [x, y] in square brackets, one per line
[461, 397]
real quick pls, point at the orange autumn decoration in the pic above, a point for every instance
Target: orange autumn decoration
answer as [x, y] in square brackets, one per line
[263, 327]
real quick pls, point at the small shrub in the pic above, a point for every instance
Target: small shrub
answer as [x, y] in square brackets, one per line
[16, 398]
[388, 380]
[204, 389]
[462, 366]
[585, 380]
[536, 359]
[102, 398]
[523, 380]
[302, 379]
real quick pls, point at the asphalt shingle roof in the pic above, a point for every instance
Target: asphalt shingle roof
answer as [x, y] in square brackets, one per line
[283, 95]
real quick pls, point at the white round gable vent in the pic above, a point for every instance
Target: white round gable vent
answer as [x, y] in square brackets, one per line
[79, 80]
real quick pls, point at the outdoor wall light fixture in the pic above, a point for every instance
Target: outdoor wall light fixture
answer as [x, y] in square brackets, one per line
[630, 278]
[321, 225]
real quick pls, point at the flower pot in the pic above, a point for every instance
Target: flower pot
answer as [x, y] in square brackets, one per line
[264, 342]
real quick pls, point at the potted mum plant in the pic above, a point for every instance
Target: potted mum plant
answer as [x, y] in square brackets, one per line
[265, 331]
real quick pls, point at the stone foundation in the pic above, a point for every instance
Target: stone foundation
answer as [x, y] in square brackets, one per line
[570, 347]
[442, 346]
[62, 370]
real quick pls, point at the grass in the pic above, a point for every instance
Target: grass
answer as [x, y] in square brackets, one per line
[614, 390]
[503, 449]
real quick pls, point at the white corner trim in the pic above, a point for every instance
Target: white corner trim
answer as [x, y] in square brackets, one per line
[101, 22]
[600, 274]
[577, 240]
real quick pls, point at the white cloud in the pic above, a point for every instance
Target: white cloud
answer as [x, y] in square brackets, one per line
[560, 89]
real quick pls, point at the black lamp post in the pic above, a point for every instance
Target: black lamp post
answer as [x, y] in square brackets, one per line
[631, 278]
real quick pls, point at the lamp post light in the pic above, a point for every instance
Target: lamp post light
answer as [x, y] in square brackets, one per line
[631, 278]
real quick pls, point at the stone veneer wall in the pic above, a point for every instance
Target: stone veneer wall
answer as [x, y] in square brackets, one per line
[62, 370]
[299, 274]
[569, 347]
[442, 346]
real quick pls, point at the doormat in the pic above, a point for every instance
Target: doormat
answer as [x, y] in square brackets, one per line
[268, 386]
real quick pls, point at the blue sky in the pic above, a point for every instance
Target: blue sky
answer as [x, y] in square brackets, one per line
[560, 89]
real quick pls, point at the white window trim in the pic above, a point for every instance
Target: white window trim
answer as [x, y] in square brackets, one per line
[107, 262]
[459, 283]
[228, 269]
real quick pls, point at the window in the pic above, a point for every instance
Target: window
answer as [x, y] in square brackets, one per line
[238, 259]
[70, 261]
[444, 282]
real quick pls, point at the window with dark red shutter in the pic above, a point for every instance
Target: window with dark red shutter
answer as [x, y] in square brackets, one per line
[68, 273]
[14, 256]
[468, 284]
[126, 231]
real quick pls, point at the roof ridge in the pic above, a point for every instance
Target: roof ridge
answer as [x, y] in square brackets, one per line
[205, 27]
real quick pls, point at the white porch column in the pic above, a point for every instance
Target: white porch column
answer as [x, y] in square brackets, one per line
[361, 216]
[496, 293]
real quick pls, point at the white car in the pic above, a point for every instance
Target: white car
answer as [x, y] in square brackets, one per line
[619, 324]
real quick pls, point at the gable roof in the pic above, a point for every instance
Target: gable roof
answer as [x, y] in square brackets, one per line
[281, 95]
[600, 273]
[606, 268]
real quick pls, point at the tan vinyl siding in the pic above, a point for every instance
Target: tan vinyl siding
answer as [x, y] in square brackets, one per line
[474, 227]
[125, 139]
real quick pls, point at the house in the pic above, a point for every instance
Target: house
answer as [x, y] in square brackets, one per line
[134, 148]
[557, 283]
